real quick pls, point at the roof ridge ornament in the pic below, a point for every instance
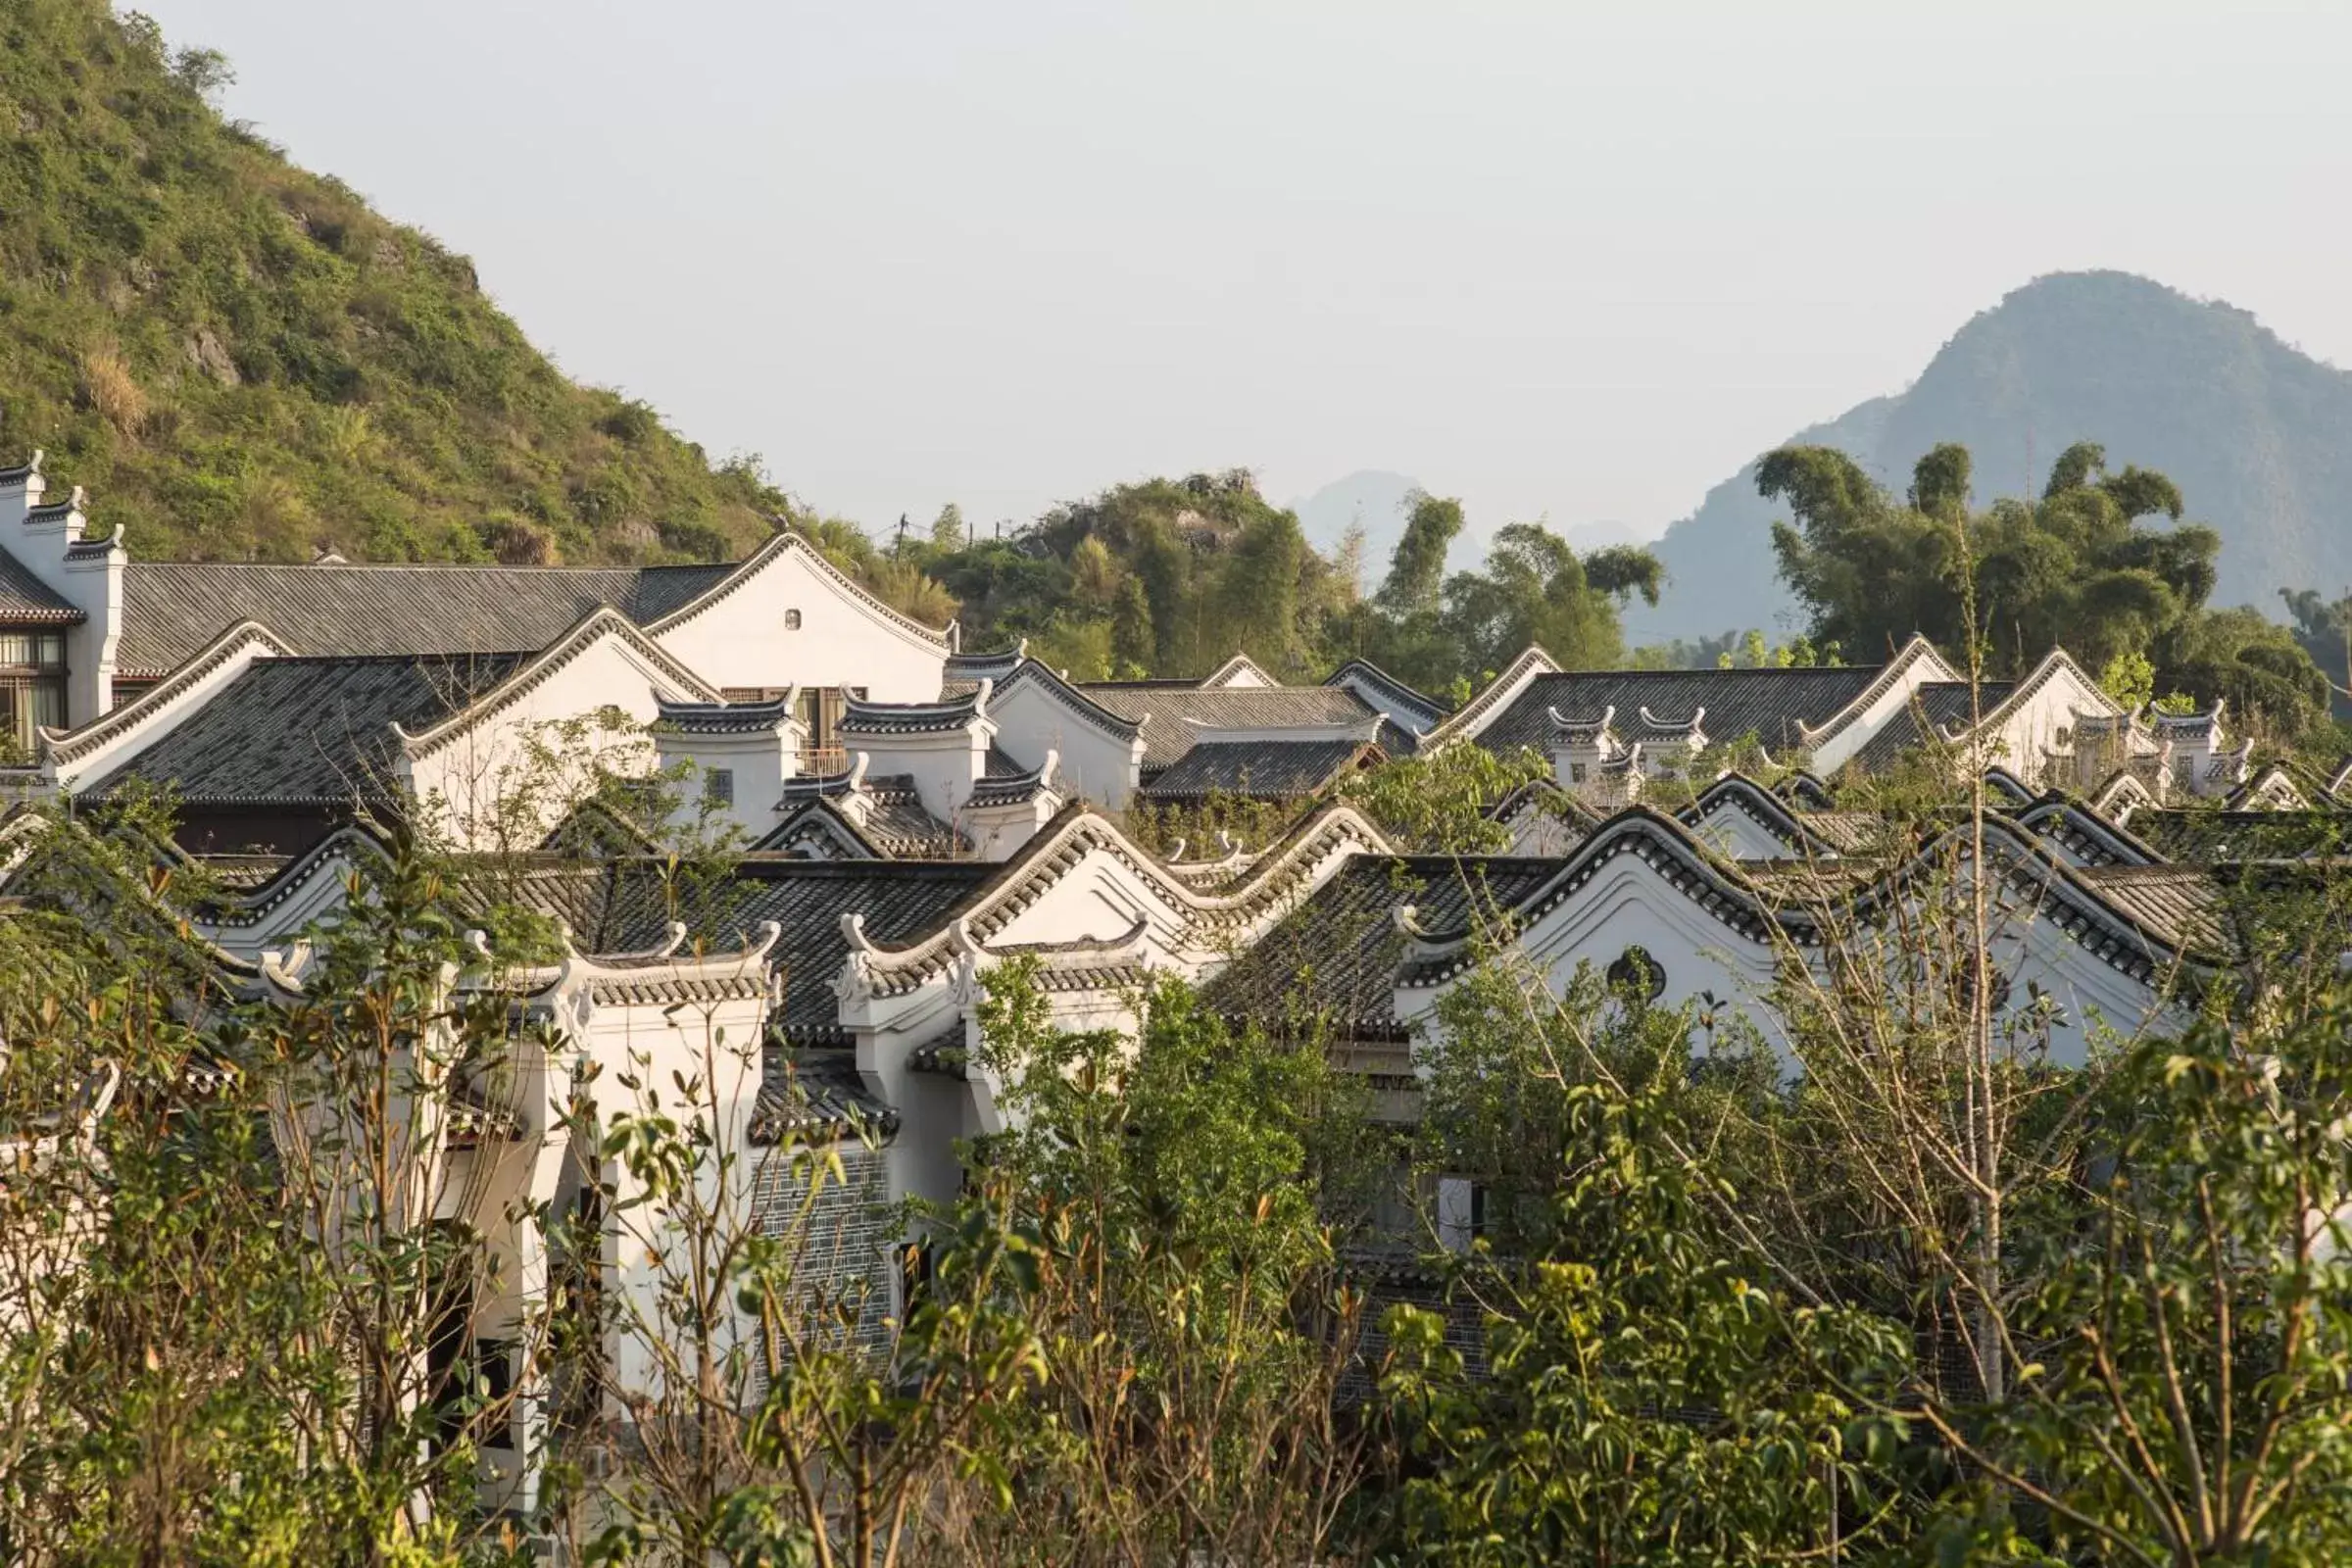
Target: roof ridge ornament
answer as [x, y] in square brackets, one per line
[853, 932]
[1655, 722]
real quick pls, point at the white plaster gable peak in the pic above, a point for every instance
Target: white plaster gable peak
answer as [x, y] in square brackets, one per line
[601, 625]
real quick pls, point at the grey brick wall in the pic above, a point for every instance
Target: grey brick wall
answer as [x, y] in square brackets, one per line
[844, 1241]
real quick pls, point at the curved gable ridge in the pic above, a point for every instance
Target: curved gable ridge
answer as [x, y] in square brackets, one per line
[307, 887]
[817, 830]
[1030, 672]
[1487, 706]
[1241, 670]
[1737, 792]
[66, 756]
[1318, 844]
[2085, 834]
[2111, 931]
[790, 545]
[1844, 732]
[1688, 865]
[592, 628]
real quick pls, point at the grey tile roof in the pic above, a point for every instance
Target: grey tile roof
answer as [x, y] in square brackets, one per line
[1769, 704]
[2202, 834]
[2179, 904]
[1334, 960]
[909, 718]
[1168, 737]
[724, 719]
[1941, 703]
[1263, 770]
[819, 1092]
[1007, 789]
[901, 901]
[972, 669]
[1422, 709]
[25, 600]
[574, 891]
[309, 731]
[818, 786]
[1847, 832]
[172, 609]
[901, 826]
[814, 829]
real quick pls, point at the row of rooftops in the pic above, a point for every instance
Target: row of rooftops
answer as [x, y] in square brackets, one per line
[367, 655]
[2161, 889]
[1265, 741]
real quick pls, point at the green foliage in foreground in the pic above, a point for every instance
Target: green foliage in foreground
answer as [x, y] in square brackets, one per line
[1194, 1303]
[239, 359]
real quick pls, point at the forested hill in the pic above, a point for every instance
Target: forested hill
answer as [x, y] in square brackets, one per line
[239, 359]
[2257, 434]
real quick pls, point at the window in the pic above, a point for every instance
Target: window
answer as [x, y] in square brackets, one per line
[718, 786]
[792, 621]
[1461, 1212]
[32, 686]
[820, 710]
[1576, 773]
[1638, 976]
[493, 1386]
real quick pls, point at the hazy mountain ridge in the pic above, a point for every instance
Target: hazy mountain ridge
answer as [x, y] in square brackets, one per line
[2257, 434]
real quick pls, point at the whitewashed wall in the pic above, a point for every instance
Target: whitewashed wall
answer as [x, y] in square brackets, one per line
[745, 638]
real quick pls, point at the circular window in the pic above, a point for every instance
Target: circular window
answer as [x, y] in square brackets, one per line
[1637, 974]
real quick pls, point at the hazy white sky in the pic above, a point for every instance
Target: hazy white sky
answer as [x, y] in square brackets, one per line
[1560, 258]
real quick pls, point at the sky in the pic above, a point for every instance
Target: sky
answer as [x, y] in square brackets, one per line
[1561, 260]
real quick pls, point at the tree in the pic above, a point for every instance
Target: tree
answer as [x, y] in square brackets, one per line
[1258, 593]
[1196, 1331]
[1534, 589]
[1435, 803]
[1133, 646]
[948, 530]
[1417, 567]
[2193, 1310]
[1646, 1399]
[2078, 567]
[1093, 576]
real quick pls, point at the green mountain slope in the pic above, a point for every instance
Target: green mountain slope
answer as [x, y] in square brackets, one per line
[239, 359]
[2258, 435]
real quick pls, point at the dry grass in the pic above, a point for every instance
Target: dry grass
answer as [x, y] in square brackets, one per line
[107, 386]
[518, 543]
